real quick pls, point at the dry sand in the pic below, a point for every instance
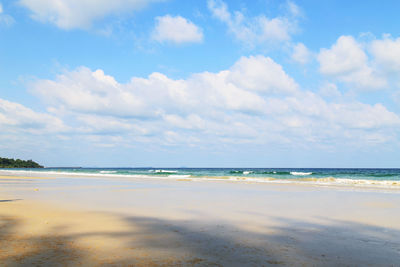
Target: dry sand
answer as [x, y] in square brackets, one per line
[102, 222]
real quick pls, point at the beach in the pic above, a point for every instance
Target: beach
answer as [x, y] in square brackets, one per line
[199, 133]
[61, 220]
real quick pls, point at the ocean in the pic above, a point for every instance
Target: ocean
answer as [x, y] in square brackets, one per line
[321, 176]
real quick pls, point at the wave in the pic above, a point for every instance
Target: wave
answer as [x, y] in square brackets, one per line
[165, 171]
[108, 171]
[259, 172]
[179, 176]
[328, 181]
[276, 172]
[301, 179]
[372, 174]
[356, 182]
[244, 172]
[301, 173]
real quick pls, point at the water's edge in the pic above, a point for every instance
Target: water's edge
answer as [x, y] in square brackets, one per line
[386, 178]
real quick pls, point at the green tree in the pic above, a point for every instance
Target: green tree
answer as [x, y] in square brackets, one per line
[18, 163]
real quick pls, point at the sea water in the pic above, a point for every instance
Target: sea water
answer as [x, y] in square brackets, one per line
[325, 176]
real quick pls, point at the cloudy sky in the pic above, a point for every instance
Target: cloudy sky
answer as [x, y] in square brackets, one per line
[214, 83]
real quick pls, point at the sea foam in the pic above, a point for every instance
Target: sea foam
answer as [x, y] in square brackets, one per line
[171, 175]
[301, 173]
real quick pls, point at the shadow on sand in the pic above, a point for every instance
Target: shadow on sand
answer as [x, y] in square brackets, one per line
[156, 242]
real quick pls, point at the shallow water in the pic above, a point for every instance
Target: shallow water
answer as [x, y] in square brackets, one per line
[324, 176]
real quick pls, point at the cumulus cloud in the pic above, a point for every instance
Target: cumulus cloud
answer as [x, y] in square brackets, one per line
[255, 30]
[176, 30]
[386, 52]
[347, 62]
[254, 101]
[93, 92]
[301, 54]
[70, 14]
[329, 90]
[15, 117]
[261, 74]
[345, 56]
[90, 92]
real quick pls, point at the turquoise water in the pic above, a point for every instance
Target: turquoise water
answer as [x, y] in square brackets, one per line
[389, 177]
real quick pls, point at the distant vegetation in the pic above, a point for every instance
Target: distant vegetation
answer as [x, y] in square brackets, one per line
[18, 163]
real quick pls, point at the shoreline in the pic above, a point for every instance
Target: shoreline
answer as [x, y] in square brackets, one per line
[391, 185]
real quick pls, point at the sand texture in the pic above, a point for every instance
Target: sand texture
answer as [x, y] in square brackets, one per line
[111, 222]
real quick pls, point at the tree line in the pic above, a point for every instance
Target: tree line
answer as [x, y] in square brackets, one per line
[18, 163]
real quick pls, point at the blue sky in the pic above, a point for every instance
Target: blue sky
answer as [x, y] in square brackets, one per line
[200, 83]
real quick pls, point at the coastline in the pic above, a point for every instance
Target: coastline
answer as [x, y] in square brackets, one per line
[308, 180]
[155, 222]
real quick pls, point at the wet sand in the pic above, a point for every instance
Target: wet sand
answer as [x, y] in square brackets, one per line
[97, 221]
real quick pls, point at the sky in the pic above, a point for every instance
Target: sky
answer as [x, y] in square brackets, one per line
[173, 83]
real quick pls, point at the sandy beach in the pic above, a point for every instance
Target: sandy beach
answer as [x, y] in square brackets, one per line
[99, 221]
[226, 133]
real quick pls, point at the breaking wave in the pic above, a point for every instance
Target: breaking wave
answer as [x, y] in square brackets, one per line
[364, 177]
[301, 173]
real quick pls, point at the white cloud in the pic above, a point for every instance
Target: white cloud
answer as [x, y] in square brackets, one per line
[254, 101]
[294, 9]
[261, 74]
[90, 92]
[107, 125]
[345, 56]
[5, 19]
[386, 52]
[15, 117]
[329, 90]
[301, 54]
[176, 30]
[70, 14]
[364, 116]
[94, 92]
[255, 30]
[347, 62]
